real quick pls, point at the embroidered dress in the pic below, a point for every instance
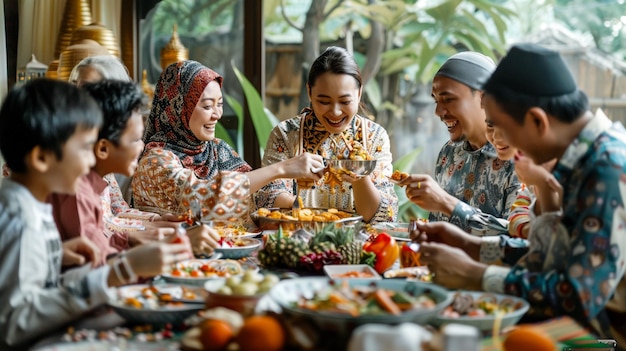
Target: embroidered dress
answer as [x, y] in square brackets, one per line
[486, 186]
[304, 133]
[178, 172]
[577, 268]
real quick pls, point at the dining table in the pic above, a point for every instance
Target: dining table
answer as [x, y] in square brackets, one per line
[104, 322]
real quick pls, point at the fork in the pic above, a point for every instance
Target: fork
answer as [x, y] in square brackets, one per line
[295, 207]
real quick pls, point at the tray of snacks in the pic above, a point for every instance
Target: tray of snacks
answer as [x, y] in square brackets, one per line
[307, 218]
[198, 271]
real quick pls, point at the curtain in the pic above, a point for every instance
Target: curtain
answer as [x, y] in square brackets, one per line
[40, 22]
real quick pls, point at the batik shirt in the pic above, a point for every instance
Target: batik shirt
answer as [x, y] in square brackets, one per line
[304, 133]
[36, 298]
[584, 251]
[486, 186]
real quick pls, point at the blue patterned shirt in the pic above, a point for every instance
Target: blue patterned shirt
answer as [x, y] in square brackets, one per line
[575, 268]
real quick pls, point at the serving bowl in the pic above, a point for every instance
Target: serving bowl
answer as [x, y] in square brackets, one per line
[287, 293]
[516, 306]
[355, 168]
[241, 294]
[244, 248]
[136, 306]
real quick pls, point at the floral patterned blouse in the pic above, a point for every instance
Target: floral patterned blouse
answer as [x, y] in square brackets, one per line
[162, 184]
[486, 186]
[577, 268]
[304, 133]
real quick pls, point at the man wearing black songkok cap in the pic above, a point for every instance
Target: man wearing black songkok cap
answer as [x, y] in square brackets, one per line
[472, 188]
[533, 100]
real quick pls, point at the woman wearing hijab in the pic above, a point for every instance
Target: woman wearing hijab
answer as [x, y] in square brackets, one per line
[184, 167]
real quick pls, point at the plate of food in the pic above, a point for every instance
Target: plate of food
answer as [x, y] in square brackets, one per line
[268, 219]
[354, 271]
[236, 248]
[479, 309]
[421, 273]
[197, 271]
[231, 230]
[398, 177]
[339, 305]
[159, 304]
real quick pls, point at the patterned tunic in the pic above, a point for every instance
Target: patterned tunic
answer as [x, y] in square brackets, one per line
[486, 186]
[284, 143]
[575, 268]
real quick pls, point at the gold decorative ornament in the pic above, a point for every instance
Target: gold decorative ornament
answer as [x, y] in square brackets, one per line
[52, 70]
[99, 33]
[77, 13]
[148, 89]
[174, 51]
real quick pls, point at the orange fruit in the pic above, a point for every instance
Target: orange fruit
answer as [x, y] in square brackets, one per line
[526, 337]
[215, 334]
[261, 333]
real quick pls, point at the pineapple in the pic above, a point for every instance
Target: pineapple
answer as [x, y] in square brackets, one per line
[343, 240]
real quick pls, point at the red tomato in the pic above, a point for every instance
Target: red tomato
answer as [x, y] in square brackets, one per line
[205, 268]
[176, 273]
[195, 273]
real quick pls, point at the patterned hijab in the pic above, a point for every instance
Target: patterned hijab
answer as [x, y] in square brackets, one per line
[177, 92]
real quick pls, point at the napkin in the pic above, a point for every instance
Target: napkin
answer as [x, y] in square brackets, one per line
[382, 337]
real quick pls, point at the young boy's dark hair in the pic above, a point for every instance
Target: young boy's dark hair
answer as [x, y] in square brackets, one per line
[43, 113]
[118, 100]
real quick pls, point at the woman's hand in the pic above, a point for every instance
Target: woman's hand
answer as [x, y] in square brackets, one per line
[204, 239]
[304, 166]
[530, 173]
[80, 250]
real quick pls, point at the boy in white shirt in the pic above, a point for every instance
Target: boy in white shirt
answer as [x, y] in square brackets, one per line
[47, 132]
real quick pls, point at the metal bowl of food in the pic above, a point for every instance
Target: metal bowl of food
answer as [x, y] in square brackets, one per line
[308, 219]
[354, 168]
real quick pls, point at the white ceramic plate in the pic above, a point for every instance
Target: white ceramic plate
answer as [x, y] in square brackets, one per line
[420, 273]
[486, 323]
[338, 271]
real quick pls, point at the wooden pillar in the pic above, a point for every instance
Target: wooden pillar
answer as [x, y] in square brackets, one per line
[11, 28]
[254, 70]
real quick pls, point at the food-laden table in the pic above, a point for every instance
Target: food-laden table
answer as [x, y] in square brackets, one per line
[106, 324]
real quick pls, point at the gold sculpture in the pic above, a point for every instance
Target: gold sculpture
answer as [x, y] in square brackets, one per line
[174, 51]
[99, 33]
[77, 13]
